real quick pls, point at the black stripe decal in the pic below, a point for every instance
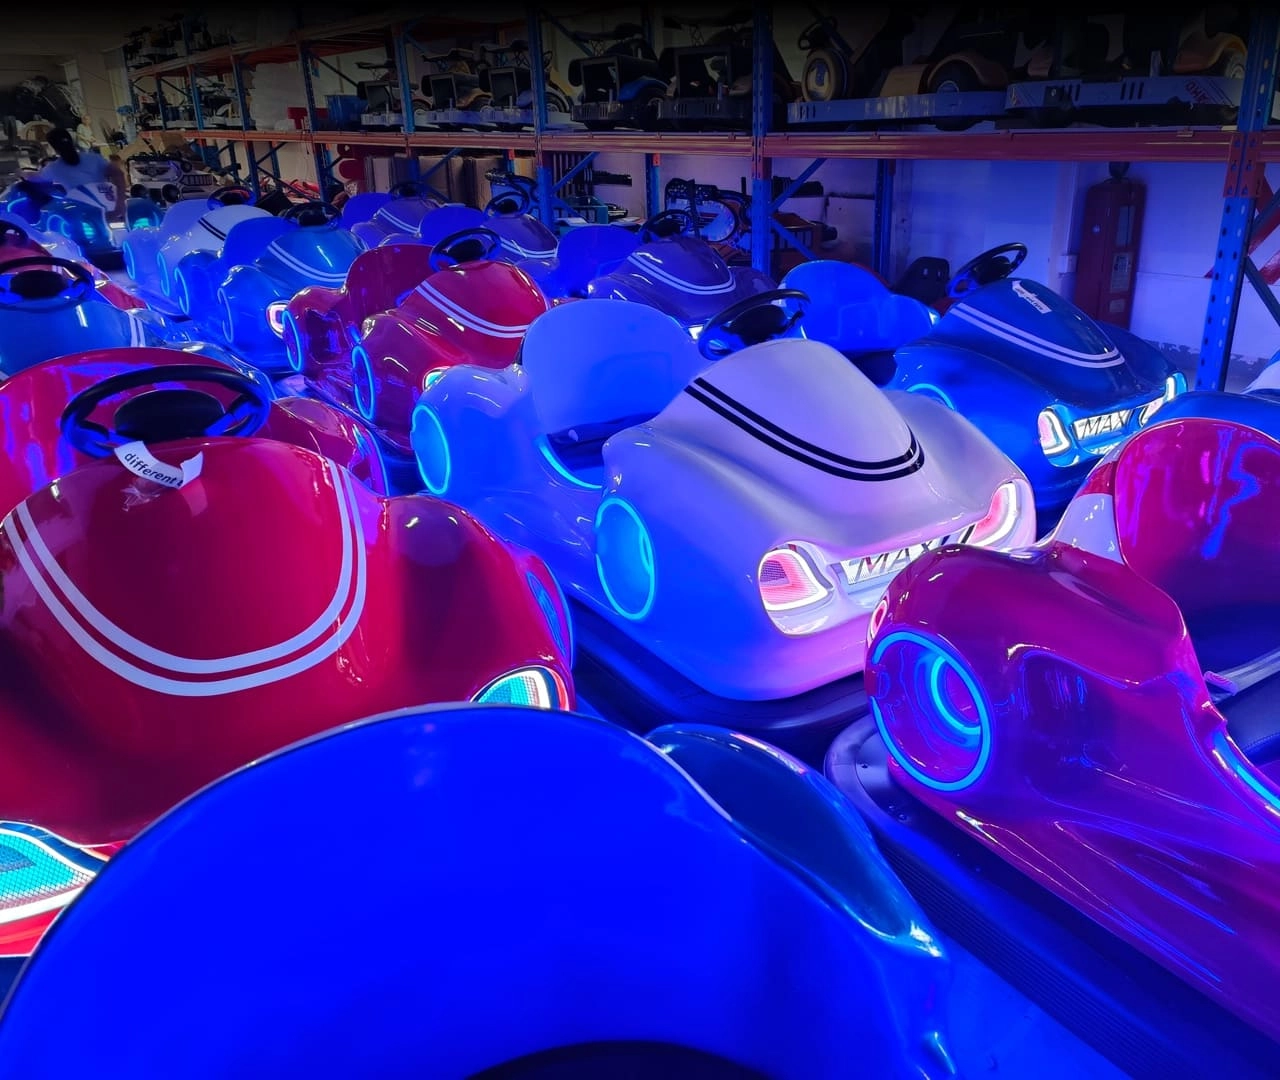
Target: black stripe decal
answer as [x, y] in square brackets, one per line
[791, 452]
[810, 448]
[216, 232]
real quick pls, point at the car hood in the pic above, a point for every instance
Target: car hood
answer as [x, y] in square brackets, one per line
[522, 236]
[839, 458]
[1034, 331]
[314, 255]
[404, 215]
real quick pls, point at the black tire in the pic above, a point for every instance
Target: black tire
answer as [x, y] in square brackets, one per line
[825, 76]
[954, 77]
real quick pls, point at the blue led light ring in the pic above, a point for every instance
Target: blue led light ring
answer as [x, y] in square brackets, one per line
[430, 449]
[642, 552]
[558, 467]
[929, 390]
[292, 342]
[943, 711]
[362, 381]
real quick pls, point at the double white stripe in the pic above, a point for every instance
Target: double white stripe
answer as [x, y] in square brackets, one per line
[399, 223]
[468, 319]
[324, 277]
[1017, 336]
[117, 650]
[524, 252]
[653, 270]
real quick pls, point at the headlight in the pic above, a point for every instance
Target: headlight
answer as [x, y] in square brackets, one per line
[1002, 516]
[531, 687]
[275, 317]
[1053, 433]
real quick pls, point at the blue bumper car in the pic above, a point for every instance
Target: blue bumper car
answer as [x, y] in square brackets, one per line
[392, 217]
[80, 215]
[542, 894]
[1048, 385]
[238, 296]
[678, 273]
[52, 307]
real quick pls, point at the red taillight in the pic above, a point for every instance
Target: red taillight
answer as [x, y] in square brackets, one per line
[877, 618]
[788, 581]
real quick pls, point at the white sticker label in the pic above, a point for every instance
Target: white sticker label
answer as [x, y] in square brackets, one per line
[1031, 298]
[141, 462]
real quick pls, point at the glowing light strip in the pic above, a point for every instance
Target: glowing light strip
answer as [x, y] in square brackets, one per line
[117, 637]
[667, 278]
[469, 319]
[1022, 339]
[328, 277]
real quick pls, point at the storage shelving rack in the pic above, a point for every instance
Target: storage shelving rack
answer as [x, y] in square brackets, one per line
[1244, 150]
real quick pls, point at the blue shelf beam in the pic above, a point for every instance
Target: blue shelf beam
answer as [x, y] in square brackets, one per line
[1232, 266]
[761, 121]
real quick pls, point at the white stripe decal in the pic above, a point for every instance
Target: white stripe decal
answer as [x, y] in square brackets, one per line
[1022, 339]
[467, 318]
[137, 333]
[348, 512]
[335, 277]
[524, 252]
[654, 270]
[399, 223]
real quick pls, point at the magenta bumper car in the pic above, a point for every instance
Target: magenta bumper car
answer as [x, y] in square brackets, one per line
[1074, 751]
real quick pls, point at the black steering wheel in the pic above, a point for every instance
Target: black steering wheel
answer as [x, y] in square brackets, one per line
[507, 203]
[46, 282]
[999, 262]
[165, 414]
[666, 223]
[750, 321]
[313, 214]
[465, 245]
[11, 229]
[231, 195]
[408, 189]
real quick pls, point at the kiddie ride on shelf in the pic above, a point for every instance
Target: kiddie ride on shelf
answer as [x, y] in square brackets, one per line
[405, 314]
[1051, 387]
[238, 296]
[686, 885]
[156, 485]
[1074, 751]
[724, 543]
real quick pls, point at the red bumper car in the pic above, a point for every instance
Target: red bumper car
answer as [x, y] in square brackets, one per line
[189, 583]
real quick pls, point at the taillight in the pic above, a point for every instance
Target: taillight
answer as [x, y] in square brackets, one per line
[1052, 432]
[1173, 386]
[877, 619]
[432, 377]
[1001, 517]
[789, 581]
[530, 687]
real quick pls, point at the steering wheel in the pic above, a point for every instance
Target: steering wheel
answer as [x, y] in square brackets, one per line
[313, 214]
[80, 287]
[465, 245]
[663, 224]
[999, 262]
[408, 189]
[231, 195]
[515, 201]
[165, 415]
[13, 233]
[750, 321]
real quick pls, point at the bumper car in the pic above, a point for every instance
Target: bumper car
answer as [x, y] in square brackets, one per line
[80, 215]
[725, 544]
[674, 271]
[693, 905]
[393, 217]
[583, 254]
[238, 296]
[1075, 750]
[151, 255]
[1051, 387]
[164, 489]
[19, 241]
[52, 307]
[406, 314]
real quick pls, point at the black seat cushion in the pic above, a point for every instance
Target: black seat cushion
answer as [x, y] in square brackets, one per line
[1253, 720]
[38, 284]
[581, 448]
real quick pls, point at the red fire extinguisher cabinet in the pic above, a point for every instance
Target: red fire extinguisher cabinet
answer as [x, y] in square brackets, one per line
[1110, 235]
